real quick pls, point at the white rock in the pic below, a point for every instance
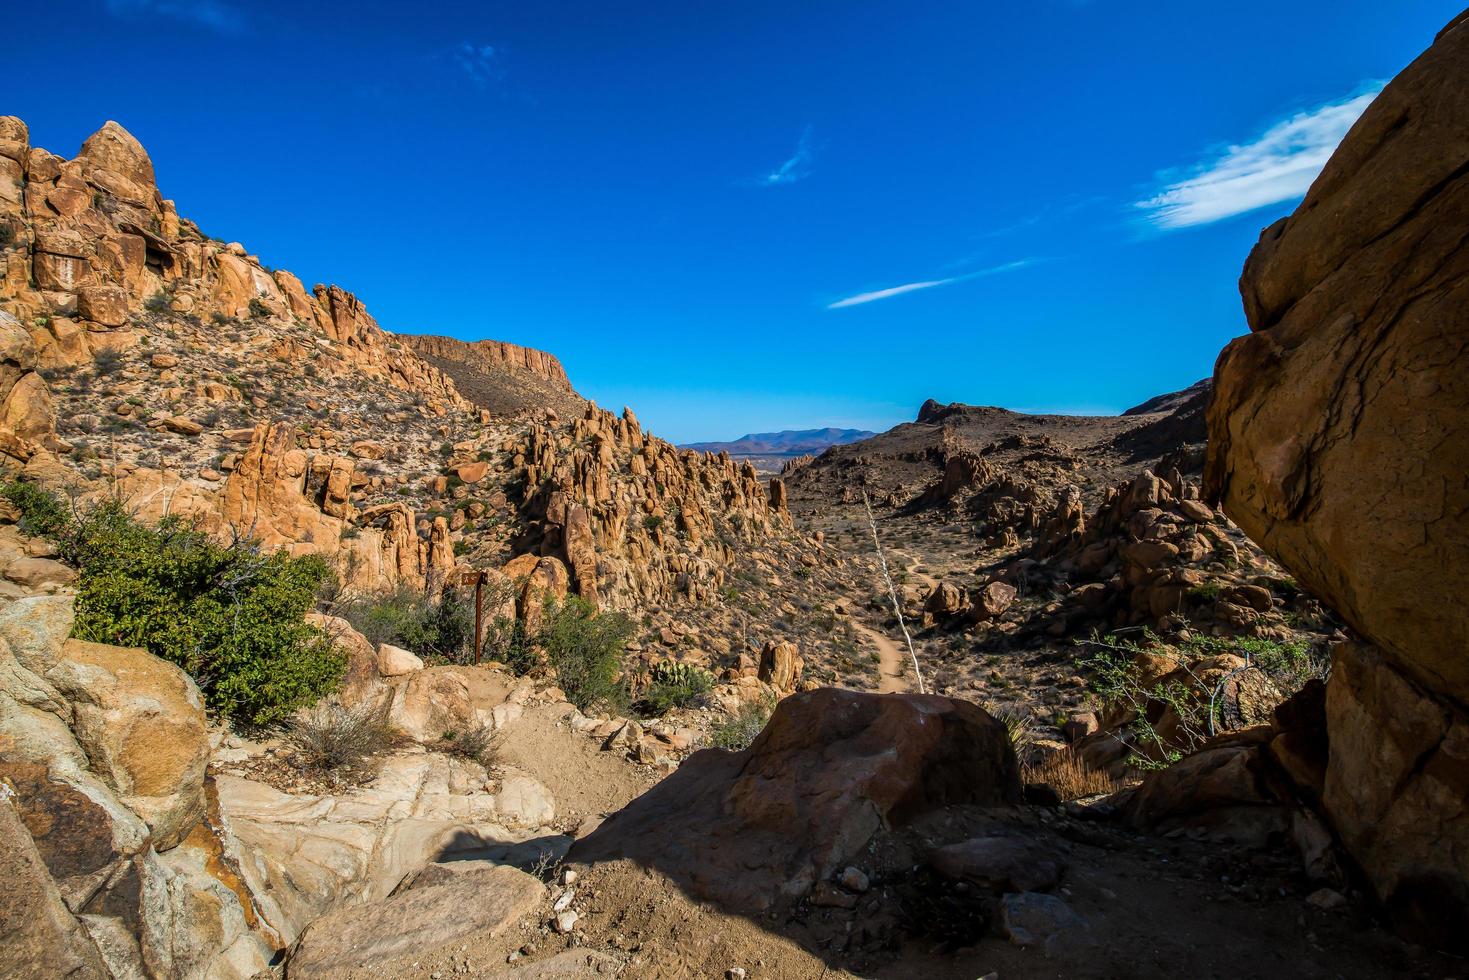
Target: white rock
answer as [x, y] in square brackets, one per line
[564, 901]
[565, 922]
[395, 661]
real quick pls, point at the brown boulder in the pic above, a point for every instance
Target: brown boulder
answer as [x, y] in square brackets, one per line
[831, 769]
[1339, 440]
[991, 601]
[104, 304]
[114, 160]
[1337, 433]
[1397, 782]
[41, 936]
[472, 472]
[944, 601]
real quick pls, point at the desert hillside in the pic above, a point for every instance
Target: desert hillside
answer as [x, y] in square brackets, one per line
[329, 650]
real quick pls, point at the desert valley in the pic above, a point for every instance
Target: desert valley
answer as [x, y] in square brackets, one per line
[332, 651]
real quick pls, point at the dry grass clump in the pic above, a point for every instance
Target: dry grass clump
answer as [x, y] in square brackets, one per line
[329, 737]
[1068, 775]
[478, 743]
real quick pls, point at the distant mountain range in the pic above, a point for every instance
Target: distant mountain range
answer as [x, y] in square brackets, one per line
[791, 442]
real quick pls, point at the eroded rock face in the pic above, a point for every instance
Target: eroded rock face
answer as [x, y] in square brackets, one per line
[1338, 441]
[492, 353]
[102, 789]
[832, 768]
[1337, 430]
[636, 518]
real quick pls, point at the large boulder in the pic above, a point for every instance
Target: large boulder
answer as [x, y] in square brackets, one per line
[1339, 440]
[42, 937]
[832, 769]
[141, 722]
[110, 869]
[302, 856]
[1339, 429]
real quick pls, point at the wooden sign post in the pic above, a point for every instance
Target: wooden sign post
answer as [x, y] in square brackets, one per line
[477, 579]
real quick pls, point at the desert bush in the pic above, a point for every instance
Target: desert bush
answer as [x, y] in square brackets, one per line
[160, 302]
[478, 743]
[106, 361]
[1194, 708]
[227, 613]
[328, 736]
[438, 628]
[585, 649]
[1017, 722]
[673, 685]
[739, 730]
[258, 309]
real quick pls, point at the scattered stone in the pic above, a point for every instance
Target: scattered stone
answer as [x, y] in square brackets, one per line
[1036, 919]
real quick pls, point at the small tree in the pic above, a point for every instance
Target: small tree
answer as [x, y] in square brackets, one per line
[585, 649]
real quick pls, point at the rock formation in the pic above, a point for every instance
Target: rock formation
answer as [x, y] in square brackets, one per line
[1338, 441]
[634, 517]
[488, 355]
[758, 828]
[102, 766]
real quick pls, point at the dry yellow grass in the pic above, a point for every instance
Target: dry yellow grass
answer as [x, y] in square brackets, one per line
[1070, 777]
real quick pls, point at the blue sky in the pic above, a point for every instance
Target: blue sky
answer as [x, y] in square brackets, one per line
[748, 216]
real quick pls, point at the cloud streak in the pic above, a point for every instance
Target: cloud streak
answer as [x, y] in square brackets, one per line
[913, 287]
[479, 61]
[216, 15]
[796, 167]
[1278, 166]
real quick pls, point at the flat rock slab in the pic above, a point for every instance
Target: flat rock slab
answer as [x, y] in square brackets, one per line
[481, 902]
[1001, 864]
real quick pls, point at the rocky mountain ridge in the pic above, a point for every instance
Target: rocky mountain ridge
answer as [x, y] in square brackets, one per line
[787, 442]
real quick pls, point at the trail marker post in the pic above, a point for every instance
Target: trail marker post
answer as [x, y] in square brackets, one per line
[477, 579]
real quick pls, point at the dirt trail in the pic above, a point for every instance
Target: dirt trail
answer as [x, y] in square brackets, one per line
[911, 565]
[893, 662]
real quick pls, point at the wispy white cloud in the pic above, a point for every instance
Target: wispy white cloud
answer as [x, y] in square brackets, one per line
[1278, 166]
[480, 62]
[913, 287]
[213, 14]
[796, 167]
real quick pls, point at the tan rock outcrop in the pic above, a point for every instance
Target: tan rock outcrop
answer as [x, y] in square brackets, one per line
[1338, 441]
[753, 829]
[636, 518]
[492, 354]
[102, 755]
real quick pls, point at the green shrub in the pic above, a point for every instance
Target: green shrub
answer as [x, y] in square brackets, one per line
[585, 649]
[674, 685]
[160, 302]
[41, 513]
[227, 614]
[505, 642]
[740, 729]
[439, 629]
[258, 309]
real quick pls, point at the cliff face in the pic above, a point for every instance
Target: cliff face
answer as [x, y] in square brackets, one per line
[1337, 440]
[491, 355]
